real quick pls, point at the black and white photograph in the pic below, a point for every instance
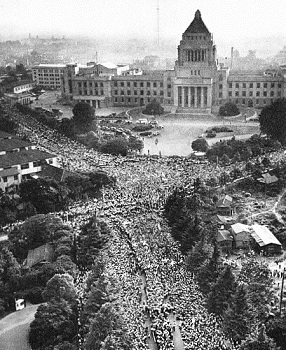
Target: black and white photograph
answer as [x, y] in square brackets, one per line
[142, 175]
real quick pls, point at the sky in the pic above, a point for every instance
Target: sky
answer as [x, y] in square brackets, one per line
[232, 22]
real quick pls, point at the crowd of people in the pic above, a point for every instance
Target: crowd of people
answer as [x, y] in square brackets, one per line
[160, 300]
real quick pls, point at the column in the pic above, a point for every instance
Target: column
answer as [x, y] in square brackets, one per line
[199, 102]
[183, 97]
[202, 97]
[209, 104]
[189, 93]
[196, 100]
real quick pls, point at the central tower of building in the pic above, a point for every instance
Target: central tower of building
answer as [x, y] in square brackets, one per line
[195, 69]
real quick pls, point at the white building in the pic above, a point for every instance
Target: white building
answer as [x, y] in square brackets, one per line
[48, 75]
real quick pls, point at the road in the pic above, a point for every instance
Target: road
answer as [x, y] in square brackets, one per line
[14, 329]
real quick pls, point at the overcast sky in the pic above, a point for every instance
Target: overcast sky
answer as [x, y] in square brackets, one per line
[231, 21]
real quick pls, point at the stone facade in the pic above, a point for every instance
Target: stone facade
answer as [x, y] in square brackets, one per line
[196, 85]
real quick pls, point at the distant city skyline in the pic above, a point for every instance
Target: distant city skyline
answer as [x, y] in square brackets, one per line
[237, 23]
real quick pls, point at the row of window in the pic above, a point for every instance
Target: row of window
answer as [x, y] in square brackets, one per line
[141, 84]
[48, 71]
[142, 92]
[251, 85]
[91, 93]
[91, 84]
[250, 94]
[133, 100]
[191, 37]
[48, 75]
[244, 101]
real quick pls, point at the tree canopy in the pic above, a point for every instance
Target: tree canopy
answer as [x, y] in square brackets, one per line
[153, 108]
[229, 109]
[200, 145]
[83, 115]
[273, 120]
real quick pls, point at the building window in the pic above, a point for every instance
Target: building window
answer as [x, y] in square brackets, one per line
[154, 84]
[265, 93]
[258, 85]
[230, 85]
[220, 95]
[251, 85]
[236, 93]
[265, 85]
[122, 92]
[80, 92]
[135, 92]
[115, 83]
[250, 93]
[243, 101]
[148, 84]
[237, 85]
[129, 99]
[154, 93]
[230, 93]
[95, 85]
[15, 177]
[271, 93]
[244, 85]
[257, 93]
[141, 92]
[5, 179]
[141, 85]
[115, 92]
[102, 92]
[279, 86]
[90, 84]
[161, 92]
[148, 93]
[122, 83]
[257, 102]
[128, 92]
[84, 84]
[79, 85]
[220, 86]
[128, 83]
[220, 78]
[169, 94]
[169, 86]
[25, 166]
[161, 84]
[243, 93]
[135, 84]
[135, 99]
[272, 85]
[115, 99]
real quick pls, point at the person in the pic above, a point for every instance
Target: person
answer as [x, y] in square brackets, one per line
[156, 142]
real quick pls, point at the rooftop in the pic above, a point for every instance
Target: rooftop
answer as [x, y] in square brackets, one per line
[197, 25]
[263, 236]
[50, 65]
[23, 157]
[13, 143]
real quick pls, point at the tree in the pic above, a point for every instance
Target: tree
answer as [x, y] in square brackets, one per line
[67, 127]
[229, 109]
[106, 328]
[276, 329]
[135, 143]
[117, 146]
[273, 120]
[45, 195]
[258, 341]
[60, 286]
[200, 145]
[221, 292]
[34, 232]
[53, 325]
[83, 115]
[153, 108]
[236, 317]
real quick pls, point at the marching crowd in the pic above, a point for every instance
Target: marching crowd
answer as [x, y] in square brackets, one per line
[161, 303]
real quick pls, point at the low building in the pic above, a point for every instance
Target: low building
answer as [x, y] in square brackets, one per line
[265, 240]
[20, 160]
[224, 206]
[225, 241]
[241, 235]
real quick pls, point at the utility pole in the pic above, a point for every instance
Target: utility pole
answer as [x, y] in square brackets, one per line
[158, 24]
[281, 294]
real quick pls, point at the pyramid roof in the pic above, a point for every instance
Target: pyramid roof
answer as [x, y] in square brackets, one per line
[197, 25]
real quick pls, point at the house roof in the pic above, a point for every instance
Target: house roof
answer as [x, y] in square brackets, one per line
[109, 65]
[42, 253]
[23, 157]
[226, 201]
[197, 25]
[238, 227]
[58, 174]
[13, 143]
[268, 179]
[263, 236]
[6, 135]
[224, 235]
[9, 172]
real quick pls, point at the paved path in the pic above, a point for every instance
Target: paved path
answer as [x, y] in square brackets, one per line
[14, 329]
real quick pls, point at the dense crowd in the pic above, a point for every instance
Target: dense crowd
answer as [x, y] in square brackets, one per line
[161, 303]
